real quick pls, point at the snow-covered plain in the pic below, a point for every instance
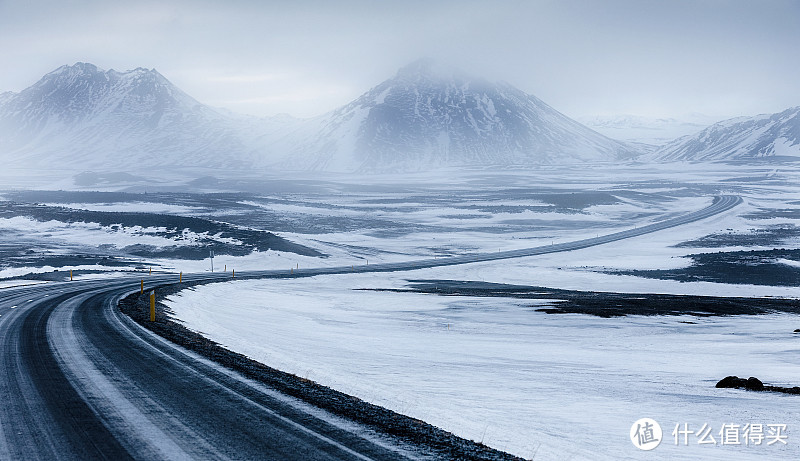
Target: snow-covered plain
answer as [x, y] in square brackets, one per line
[537, 385]
[493, 369]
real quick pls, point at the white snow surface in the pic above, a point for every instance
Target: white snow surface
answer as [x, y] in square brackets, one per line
[537, 385]
[648, 130]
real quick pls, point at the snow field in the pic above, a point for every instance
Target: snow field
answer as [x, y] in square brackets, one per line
[494, 369]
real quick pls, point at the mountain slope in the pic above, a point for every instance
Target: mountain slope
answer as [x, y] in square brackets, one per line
[772, 135]
[82, 115]
[426, 116]
[429, 116]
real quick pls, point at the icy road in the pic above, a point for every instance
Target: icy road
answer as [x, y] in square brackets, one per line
[81, 381]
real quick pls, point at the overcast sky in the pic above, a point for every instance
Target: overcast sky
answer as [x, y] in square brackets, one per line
[652, 58]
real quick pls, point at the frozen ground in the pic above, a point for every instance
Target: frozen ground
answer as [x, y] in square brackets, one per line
[493, 369]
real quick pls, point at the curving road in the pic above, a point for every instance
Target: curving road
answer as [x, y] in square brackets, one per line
[80, 380]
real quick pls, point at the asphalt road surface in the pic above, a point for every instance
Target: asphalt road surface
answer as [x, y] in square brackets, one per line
[79, 380]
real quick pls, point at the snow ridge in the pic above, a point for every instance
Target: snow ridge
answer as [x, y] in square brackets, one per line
[762, 136]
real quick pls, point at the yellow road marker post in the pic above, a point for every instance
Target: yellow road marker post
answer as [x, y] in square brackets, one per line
[153, 306]
[225, 269]
[70, 275]
[141, 289]
[151, 270]
[233, 273]
[180, 278]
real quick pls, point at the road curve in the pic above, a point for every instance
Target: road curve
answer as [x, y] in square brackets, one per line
[720, 204]
[82, 381]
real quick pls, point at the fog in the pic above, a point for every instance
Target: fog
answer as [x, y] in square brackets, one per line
[652, 58]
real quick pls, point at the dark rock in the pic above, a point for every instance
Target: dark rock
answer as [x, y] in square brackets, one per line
[731, 382]
[754, 384]
[797, 330]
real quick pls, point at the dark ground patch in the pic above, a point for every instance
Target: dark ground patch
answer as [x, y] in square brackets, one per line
[566, 202]
[606, 304]
[63, 275]
[173, 228]
[579, 200]
[768, 213]
[755, 267]
[768, 236]
[18, 257]
[444, 444]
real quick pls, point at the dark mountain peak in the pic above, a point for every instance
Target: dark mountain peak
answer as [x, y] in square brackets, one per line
[67, 75]
[84, 71]
[77, 68]
[83, 85]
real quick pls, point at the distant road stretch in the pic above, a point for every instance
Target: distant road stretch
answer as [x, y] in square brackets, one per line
[81, 381]
[721, 203]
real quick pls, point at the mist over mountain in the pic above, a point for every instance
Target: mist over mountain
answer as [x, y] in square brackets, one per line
[84, 116]
[429, 115]
[762, 136]
[426, 116]
[654, 131]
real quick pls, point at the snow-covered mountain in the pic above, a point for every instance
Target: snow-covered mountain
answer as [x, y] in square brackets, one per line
[771, 135]
[429, 116]
[426, 116]
[83, 116]
[648, 130]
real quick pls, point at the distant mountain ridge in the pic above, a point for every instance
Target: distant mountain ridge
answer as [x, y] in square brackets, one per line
[84, 115]
[762, 136]
[426, 116]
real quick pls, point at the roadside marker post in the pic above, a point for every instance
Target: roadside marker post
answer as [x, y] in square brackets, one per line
[141, 289]
[151, 271]
[233, 273]
[153, 306]
[180, 278]
[70, 275]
